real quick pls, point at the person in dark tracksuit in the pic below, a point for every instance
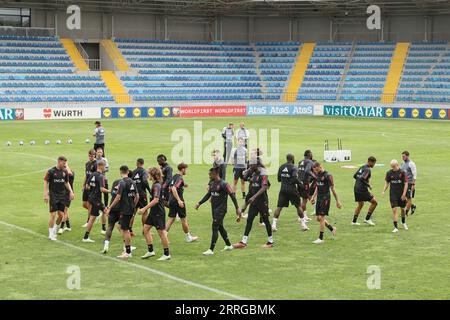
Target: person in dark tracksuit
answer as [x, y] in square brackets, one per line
[218, 192]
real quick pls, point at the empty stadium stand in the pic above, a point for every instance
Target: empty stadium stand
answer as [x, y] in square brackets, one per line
[39, 69]
[47, 69]
[173, 70]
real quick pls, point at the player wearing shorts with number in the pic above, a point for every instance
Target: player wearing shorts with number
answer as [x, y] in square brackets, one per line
[56, 184]
[177, 206]
[126, 199]
[156, 217]
[323, 183]
[362, 194]
[397, 180]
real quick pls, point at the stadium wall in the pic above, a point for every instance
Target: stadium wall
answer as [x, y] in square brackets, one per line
[237, 109]
[96, 25]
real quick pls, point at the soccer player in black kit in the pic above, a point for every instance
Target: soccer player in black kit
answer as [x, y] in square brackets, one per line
[218, 192]
[126, 199]
[397, 180]
[96, 184]
[140, 177]
[56, 184]
[113, 215]
[65, 224]
[177, 206]
[323, 183]
[167, 172]
[258, 201]
[288, 176]
[90, 168]
[306, 177]
[156, 218]
[362, 194]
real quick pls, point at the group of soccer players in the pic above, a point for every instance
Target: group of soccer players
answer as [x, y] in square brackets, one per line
[299, 184]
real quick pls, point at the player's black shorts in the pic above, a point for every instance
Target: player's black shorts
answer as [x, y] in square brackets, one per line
[410, 194]
[303, 191]
[175, 209]
[156, 220]
[142, 202]
[114, 216]
[363, 196]
[125, 221]
[96, 208]
[397, 202]
[57, 204]
[238, 173]
[284, 197]
[259, 208]
[322, 207]
[85, 195]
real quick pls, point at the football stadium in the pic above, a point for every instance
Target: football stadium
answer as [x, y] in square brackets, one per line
[224, 150]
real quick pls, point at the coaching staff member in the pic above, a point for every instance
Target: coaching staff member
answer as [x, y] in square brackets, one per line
[99, 134]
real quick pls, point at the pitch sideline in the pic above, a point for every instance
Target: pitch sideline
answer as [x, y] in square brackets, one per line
[138, 266]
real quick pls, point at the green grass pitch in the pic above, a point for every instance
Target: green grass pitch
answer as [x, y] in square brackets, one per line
[414, 264]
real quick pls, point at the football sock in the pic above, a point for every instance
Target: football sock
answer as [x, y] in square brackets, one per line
[86, 235]
[62, 225]
[166, 252]
[245, 239]
[270, 239]
[103, 227]
[128, 249]
[407, 211]
[68, 223]
[395, 224]
[369, 214]
[355, 218]
[321, 235]
[150, 247]
[330, 227]
[403, 220]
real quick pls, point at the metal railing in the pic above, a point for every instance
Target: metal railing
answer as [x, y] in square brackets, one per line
[27, 32]
[94, 64]
[263, 97]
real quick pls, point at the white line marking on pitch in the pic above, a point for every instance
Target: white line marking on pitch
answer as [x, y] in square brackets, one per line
[27, 173]
[138, 266]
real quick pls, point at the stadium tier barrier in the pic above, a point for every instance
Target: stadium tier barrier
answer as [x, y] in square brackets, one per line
[237, 109]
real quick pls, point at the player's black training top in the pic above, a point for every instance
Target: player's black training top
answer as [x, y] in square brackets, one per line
[90, 168]
[166, 175]
[288, 176]
[323, 183]
[96, 181]
[218, 191]
[362, 177]
[128, 192]
[57, 179]
[305, 173]
[177, 182]
[256, 182]
[140, 177]
[158, 209]
[114, 192]
[397, 180]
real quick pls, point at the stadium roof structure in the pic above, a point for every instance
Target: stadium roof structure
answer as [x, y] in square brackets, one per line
[263, 8]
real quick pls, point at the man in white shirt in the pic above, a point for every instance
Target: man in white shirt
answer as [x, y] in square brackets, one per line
[243, 134]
